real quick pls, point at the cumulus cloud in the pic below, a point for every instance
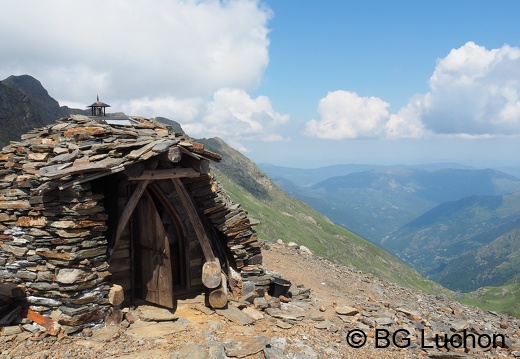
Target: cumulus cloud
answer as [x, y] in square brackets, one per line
[345, 114]
[230, 114]
[473, 93]
[235, 116]
[189, 60]
[122, 50]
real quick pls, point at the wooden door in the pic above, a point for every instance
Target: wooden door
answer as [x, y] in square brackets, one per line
[153, 253]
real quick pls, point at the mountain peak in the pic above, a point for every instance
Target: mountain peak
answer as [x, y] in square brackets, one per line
[30, 87]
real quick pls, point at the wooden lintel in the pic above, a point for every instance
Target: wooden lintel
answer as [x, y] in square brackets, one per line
[169, 173]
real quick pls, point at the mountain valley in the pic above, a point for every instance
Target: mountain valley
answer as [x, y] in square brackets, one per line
[399, 208]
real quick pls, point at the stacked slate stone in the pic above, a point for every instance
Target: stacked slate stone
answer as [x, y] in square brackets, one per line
[54, 245]
[52, 225]
[233, 222]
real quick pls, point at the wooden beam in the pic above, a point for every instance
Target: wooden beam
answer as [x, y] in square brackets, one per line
[175, 154]
[92, 177]
[10, 317]
[211, 270]
[169, 173]
[194, 218]
[127, 213]
[201, 166]
[12, 290]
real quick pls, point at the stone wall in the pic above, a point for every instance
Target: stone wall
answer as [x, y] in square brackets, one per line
[55, 246]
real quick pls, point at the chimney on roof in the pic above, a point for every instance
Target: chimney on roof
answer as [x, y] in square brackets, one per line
[98, 108]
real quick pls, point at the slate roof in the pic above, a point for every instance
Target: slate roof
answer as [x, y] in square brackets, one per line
[75, 148]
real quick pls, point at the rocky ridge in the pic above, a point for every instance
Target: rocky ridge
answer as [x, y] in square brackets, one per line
[317, 323]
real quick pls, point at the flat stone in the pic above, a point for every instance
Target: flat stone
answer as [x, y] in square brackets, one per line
[150, 313]
[347, 310]
[260, 303]
[248, 287]
[279, 314]
[17, 251]
[283, 325]
[152, 353]
[104, 334]
[459, 325]
[11, 330]
[15, 205]
[235, 315]
[253, 313]
[273, 353]
[323, 325]
[216, 351]
[148, 330]
[192, 351]
[384, 321]
[243, 348]
[72, 275]
[163, 146]
[204, 309]
[317, 317]
[28, 221]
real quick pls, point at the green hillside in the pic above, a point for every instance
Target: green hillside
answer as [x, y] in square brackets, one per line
[505, 298]
[493, 264]
[291, 220]
[445, 243]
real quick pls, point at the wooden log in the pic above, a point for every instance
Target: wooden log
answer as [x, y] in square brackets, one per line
[12, 290]
[201, 166]
[217, 298]
[94, 176]
[195, 220]
[175, 154]
[135, 170]
[166, 174]
[211, 277]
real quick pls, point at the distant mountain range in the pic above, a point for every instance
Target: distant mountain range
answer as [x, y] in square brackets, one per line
[377, 202]
[440, 220]
[281, 216]
[402, 208]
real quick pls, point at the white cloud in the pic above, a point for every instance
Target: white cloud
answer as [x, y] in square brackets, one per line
[406, 123]
[171, 107]
[474, 93]
[235, 116]
[188, 60]
[130, 50]
[345, 114]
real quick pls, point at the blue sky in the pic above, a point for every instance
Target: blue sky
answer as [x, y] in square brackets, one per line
[290, 82]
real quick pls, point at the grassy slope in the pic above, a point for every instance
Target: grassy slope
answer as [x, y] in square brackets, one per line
[501, 299]
[289, 219]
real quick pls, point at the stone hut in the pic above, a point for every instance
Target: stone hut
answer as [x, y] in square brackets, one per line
[89, 206]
